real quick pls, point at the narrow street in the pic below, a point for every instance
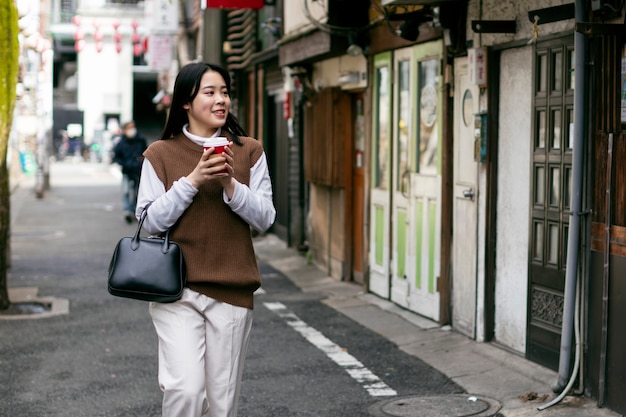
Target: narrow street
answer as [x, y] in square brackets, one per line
[98, 357]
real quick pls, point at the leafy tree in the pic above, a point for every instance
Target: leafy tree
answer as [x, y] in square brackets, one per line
[9, 45]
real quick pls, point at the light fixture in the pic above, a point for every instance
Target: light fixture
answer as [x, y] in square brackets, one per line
[353, 49]
[409, 30]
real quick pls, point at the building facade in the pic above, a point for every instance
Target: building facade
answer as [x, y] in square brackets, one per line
[459, 158]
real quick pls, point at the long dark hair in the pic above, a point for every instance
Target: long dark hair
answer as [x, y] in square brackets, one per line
[186, 89]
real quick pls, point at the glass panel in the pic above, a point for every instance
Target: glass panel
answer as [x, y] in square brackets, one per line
[556, 129]
[540, 185]
[428, 88]
[557, 71]
[538, 240]
[404, 118]
[382, 138]
[401, 234]
[570, 66]
[540, 142]
[567, 187]
[623, 118]
[379, 235]
[553, 244]
[555, 186]
[541, 73]
[569, 127]
[565, 239]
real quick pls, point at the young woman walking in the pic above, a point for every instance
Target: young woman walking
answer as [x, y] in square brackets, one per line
[203, 337]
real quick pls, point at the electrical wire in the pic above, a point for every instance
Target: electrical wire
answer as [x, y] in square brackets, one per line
[339, 30]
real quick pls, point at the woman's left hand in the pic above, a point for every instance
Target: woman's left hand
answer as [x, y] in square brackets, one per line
[227, 178]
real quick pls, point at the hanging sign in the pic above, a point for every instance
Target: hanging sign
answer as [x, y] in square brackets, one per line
[163, 16]
[477, 66]
[233, 4]
[160, 52]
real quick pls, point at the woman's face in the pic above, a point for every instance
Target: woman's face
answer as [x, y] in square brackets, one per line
[208, 110]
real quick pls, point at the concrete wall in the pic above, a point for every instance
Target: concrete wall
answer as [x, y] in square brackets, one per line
[514, 145]
[513, 197]
[295, 20]
[333, 72]
[512, 10]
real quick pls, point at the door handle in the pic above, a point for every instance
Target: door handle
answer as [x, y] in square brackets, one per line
[469, 193]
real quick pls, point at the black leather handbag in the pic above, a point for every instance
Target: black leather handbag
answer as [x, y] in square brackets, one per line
[147, 268]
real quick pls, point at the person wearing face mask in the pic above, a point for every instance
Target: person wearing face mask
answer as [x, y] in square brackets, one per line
[128, 153]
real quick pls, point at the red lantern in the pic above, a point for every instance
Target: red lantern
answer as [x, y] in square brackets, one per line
[76, 20]
[117, 37]
[79, 45]
[135, 38]
[79, 34]
[98, 36]
[99, 46]
[118, 47]
[137, 49]
[116, 25]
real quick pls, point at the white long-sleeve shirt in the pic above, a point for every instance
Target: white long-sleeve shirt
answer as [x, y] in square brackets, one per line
[254, 204]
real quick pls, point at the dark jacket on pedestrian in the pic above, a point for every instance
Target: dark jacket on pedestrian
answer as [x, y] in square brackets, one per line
[128, 153]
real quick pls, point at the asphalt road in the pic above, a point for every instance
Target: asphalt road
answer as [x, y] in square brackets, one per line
[305, 358]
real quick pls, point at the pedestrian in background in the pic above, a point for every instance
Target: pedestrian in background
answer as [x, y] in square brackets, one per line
[203, 337]
[128, 153]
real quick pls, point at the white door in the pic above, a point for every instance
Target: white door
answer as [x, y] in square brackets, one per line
[464, 268]
[425, 188]
[402, 168]
[405, 208]
[380, 198]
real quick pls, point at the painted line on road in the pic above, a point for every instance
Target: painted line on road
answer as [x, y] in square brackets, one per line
[373, 384]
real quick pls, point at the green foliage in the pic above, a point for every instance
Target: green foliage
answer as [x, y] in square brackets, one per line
[9, 64]
[9, 45]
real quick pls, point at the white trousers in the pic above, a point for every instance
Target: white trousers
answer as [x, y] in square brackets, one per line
[202, 349]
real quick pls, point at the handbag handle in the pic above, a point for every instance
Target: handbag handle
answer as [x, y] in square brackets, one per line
[134, 245]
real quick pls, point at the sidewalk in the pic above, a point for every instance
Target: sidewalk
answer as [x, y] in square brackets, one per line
[482, 369]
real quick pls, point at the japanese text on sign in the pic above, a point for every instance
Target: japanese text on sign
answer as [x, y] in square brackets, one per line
[477, 66]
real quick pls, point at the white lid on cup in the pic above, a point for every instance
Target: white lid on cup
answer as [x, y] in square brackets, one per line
[216, 141]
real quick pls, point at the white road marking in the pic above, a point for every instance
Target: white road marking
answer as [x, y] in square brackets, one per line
[374, 386]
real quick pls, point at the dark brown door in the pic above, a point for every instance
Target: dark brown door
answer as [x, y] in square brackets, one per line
[358, 189]
[550, 196]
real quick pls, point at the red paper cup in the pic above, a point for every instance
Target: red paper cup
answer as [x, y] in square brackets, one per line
[218, 144]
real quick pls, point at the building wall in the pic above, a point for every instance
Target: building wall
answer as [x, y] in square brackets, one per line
[512, 10]
[513, 202]
[327, 227]
[105, 85]
[515, 132]
[295, 20]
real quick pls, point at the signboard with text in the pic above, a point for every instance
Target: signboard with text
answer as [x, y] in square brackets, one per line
[164, 17]
[477, 66]
[160, 52]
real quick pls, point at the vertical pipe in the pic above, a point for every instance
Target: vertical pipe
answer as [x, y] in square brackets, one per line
[580, 123]
[605, 278]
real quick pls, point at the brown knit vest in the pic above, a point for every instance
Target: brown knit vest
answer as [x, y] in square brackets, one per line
[216, 242]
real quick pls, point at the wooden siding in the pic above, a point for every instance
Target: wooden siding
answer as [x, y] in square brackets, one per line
[607, 89]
